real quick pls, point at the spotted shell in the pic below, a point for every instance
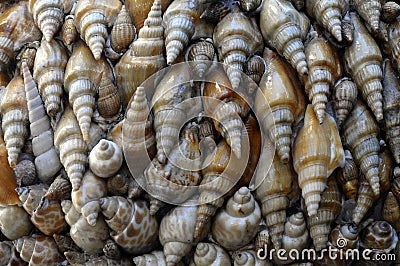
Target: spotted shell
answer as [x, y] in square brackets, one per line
[37, 250]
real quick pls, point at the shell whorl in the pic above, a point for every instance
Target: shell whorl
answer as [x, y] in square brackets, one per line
[201, 53]
[105, 159]
[48, 16]
[69, 33]
[345, 97]
[123, 31]
[365, 200]
[370, 11]
[210, 254]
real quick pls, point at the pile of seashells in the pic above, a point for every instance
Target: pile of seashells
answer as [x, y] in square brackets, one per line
[107, 159]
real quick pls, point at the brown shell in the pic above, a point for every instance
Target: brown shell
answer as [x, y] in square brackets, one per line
[347, 232]
[344, 96]
[108, 101]
[38, 250]
[347, 29]
[379, 235]
[60, 189]
[255, 68]
[217, 10]
[347, 177]
[365, 200]
[390, 11]
[123, 31]
[65, 243]
[201, 53]
[370, 11]
[69, 34]
[386, 166]
[396, 188]
[391, 211]
[139, 10]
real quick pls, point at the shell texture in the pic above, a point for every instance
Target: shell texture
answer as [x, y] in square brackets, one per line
[155, 258]
[249, 258]
[296, 235]
[391, 211]
[37, 250]
[105, 159]
[139, 10]
[217, 10]
[14, 222]
[370, 11]
[347, 177]
[208, 254]
[365, 200]
[255, 68]
[123, 31]
[109, 100]
[390, 11]
[344, 96]
[201, 53]
[69, 33]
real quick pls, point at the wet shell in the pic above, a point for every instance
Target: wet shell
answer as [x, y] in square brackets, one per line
[208, 254]
[390, 11]
[236, 38]
[250, 5]
[105, 159]
[360, 131]
[386, 165]
[37, 250]
[14, 222]
[314, 163]
[391, 211]
[109, 101]
[72, 148]
[345, 97]
[60, 189]
[391, 107]
[155, 258]
[15, 118]
[284, 29]
[139, 10]
[363, 61]
[236, 224]
[281, 99]
[217, 10]
[348, 232]
[69, 34]
[92, 18]
[201, 53]
[365, 200]
[123, 31]
[347, 177]
[135, 230]
[249, 258]
[255, 68]
[9, 255]
[145, 57]
[370, 11]
[48, 16]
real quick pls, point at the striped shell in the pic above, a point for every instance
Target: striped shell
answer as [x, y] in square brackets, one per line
[370, 11]
[69, 33]
[344, 96]
[365, 200]
[202, 54]
[60, 189]
[208, 254]
[123, 31]
[347, 177]
[105, 159]
[109, 101]
[37, 250]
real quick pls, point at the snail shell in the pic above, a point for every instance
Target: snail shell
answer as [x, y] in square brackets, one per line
[386, 165]
[217, 10]
[345, 97]
[139, 10]
[391, 211]
[314, 163]
[15, 118]
[109, 101]
[134, 229]
[201, 53]
[60, 189]
[65, 243]
[105, 159]
[346, 231]
[347, 29]
[71, 214]
[37, 250]
[25, 171]
[390, 11]
[155, 258]
[9, 255]
[69, 34]
[28, 54]
[296, 235]
[365, 200]
[255, 68]
[123, 31]
[48, 16]
[14, 222]
[47, 161]
[370, 11]
[111, 250]
[118, 185]
[347, 177]
[363, 61]
[284, 28]
[92, 17]
[208, 254]
[31, 196]
[249, 258]
[262, 239]
[250, 5]
[360, 131]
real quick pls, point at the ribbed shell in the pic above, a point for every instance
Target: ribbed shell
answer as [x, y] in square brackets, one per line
[379, 236]
[361, 131]
[14, 222]
[60, 189]
[363, 61]
[317, 151]
[14, 110]
[208, 254]
[202, 54]
[347, 177]
[284, 28]
[9, 255]
[37, 250]
[391, 47]
[365, 200]
[236, 38]
[105, 159]
[144, 58]
[217, 10]
[123, 31]
[135, 230]
[391, 108]
[386, 165]
[391, 211]
[347, 232]
[296, 235]
[139, 10]
[69, 34]
[249, 258]
[255, 68]
[344, 96]
[370, 11]
[155, 258]
[396, 188]
[390, 11]
[48, 16]
[109, 101]
[28, 55]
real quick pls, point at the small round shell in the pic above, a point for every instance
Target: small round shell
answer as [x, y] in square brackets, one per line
[105, 159]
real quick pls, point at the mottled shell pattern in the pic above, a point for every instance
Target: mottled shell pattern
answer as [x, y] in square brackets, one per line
[69, 33]
[123, 31]
[37, 250]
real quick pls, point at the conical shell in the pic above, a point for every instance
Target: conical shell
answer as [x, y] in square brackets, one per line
[123, 31]
[217, 10]
[296, 235]
[365, 200]
[109, 101]
[208, 254]
[105, 159]
[37, 250]
[255, 68]
[9, 255]
[145, 57]
[48, 16]
[92, 18]
[72, 148]
[279, 102]
[155, 258]
[391, 211]
[60, 189]
[391, 107]
[347, 177]
[202, 54]
[390, 11]
[347, 29]
[314, 163]
[139, 10]
[345, 97]
[48, 72]
[69, 33]
[284, 29]
[370, 11]
[363, 61]
[135, 230]
[14, 222]
[14, 110]
[249, 258]
[360, 131]
[379, 236]
[28, 55]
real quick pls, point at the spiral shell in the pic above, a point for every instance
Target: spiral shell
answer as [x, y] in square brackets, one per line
[92, 18]
[344, 96]
[255, 68]
[361, 131]
[208, 254]
[9, 255]
[135, 230]
[37, 250]
[69, 34]
[123, 31]
[48, 16]
[284, 29]
[201, 53]
[145, 57]
[347, 177]
[296, 234]
[390, 11]
[105, 159]
[109, 101]
[28, 54]
[370, 11]
[249, 258]
[346, 231]
[155, 258]
[363, 61]
[314, 163]
[15, 118]
[217, 10]
[391, 211]
[72, 148]
[365, 200]
[139, 10]
[14, 222]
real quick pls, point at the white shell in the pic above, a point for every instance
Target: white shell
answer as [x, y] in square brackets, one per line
[105, 159]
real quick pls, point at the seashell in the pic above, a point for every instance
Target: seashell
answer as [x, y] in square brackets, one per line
[71, 214]
[391, 211]
[9, 255]
[370, 11]
[179, 18]
[118, 184]
[31, 196]
[347, 232]
[250, 5]
[69, 34]
[109, 101]
[86, 199]
[48, 72]
[347, 177]
[65, 243]
[284, 29]
[145, 57]
[386, 165]
[347, 29]
[123, 31]
[236, 38]
[25, 171]
[134, 229]
[28, 55]
[249, 258]
[92, 18]
[201, 53]
[37, 250]
[14, 222]
[390, 11]
[361, 131]
[236, 224]
[329, 209]
[314, 163]
[47, 161]
[60, 189]
[262, 239]
[139, 10]
[396, 187]
[48, 16]
[208, 254]
[176, 233]
[365, 67]
[15, 118]
[282, 99]
[298, 4]
[96, 133]
[74, 257]
[391, 47]
[105, 159]
[217, 10]
[391, 98]
[365, 200]
[296, 235]
[155, 258]
[255, 68]
[345, 97]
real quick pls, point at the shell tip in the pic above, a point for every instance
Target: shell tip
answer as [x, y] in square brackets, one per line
[285, 158]
[338, 34]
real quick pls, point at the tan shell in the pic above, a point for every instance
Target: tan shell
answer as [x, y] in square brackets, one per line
[365, 200]
[345, 97]
[391, 211]
[60, 189]
[155, 258]
[71, 214]
[123, 31]
[9, 255]
[396, 188]
[139, 10]
[296, 235]
[48, 16]
[31, 196]
[370, 11]
[201, 53]
[105, 159]
[14, 222]
[208, 254]
[315, 163]
[347, 177]
[14, 110]
[109, 101]
[69, 34]
[363, 61]
[281, 24]
[92, 18]
[379, 236]
[249, 258]
[390, 11]
[28, 54]
[361, 131]
[37, 250]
